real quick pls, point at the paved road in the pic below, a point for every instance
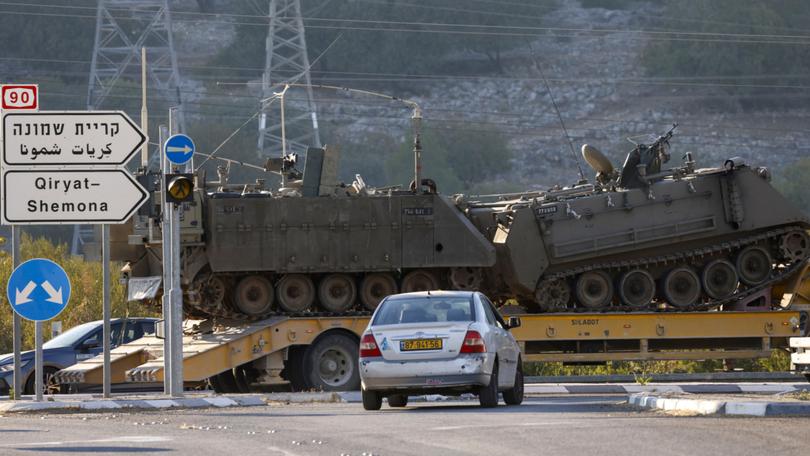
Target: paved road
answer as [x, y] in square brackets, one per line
[556, 425]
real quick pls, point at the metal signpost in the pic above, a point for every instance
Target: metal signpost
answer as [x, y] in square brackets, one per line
[67, 167]
[38, 290]
[17, 97]
[177, 150]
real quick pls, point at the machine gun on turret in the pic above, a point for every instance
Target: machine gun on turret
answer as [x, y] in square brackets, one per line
[645, 160]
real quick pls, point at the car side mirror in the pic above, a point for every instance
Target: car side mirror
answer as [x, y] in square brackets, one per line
[514, 322]
[90, 343]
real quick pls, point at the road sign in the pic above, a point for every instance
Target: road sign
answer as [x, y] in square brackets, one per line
[38, 289]
[96, 138]
[70, 196]
[19, 97]
[179, 149]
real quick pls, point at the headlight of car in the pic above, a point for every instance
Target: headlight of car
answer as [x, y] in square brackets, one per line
[10, 366]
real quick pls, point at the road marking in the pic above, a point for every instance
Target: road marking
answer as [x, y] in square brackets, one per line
[478, 426]
[282, 451]
[125, 439]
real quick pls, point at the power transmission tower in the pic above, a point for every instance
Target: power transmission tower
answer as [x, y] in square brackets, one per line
[123, 27]
[287, 62]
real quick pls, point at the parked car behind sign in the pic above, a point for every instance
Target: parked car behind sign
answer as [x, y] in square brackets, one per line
[76, 344]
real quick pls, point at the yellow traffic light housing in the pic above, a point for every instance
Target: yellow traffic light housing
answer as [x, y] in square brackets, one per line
[179, 188]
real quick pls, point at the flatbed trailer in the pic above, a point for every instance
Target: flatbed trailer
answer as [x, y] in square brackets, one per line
[320, 352]
[316, 352]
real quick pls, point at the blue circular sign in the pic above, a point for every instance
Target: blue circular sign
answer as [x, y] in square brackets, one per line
[179, 149]
[38, 289]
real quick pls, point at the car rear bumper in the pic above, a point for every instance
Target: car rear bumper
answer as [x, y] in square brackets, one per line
[466, 370]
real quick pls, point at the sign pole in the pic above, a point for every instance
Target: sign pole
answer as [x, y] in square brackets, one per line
[176, 293]
[167, 278]
[38, 361]
[15, 259]
[105, 260]
[177, 308]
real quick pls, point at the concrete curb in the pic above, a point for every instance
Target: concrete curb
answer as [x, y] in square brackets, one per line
[158, 403]
[719, 407]
[687, 388]
[713, 377]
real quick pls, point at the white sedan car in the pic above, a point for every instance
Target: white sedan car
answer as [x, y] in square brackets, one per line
[439, 342]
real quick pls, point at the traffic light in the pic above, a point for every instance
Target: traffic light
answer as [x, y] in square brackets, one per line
[179, 188]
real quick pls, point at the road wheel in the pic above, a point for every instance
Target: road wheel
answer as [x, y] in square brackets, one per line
[720, 279]
[488, 395]
[254, 295]
[337, 292]
[681, 287]
[375, 287]
[753, 265]
[419, 280]
[372, 400]
[397, 400]
[330, 364]
[48, 382]
[553, 295]
[296, 292]
[637, 288]
[594, 289]
[514, 395]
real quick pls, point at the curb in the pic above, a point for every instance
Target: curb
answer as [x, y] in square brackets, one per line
[692, 388]
[719, 407]
[712, 377]
[96, 405]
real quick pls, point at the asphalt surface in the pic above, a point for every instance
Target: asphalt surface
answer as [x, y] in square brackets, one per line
[552, 425]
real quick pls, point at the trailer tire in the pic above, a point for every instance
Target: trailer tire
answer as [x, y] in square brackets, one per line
[227, 382]
[331, 363]
[294, 368]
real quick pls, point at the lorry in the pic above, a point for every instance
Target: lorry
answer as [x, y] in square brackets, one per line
[643, 264]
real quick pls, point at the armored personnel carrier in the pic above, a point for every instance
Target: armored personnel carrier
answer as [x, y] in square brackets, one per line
[640, 238]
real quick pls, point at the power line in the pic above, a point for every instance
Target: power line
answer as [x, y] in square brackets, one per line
[548, 32]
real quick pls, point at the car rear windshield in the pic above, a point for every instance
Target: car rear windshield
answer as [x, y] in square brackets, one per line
[425, 310]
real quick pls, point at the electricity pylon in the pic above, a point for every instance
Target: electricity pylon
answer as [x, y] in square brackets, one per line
[287, 62]
[123, 28]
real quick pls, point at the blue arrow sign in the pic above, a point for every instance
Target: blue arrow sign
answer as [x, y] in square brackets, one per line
[38, 289]
[178, 149]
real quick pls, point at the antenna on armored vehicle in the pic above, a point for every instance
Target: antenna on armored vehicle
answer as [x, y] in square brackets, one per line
[582, 178]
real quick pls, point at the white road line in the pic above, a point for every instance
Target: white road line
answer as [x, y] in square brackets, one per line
[282, 451]
[478, 426]
[125, 439]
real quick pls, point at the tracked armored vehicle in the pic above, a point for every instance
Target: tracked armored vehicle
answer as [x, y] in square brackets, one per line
[637, 239]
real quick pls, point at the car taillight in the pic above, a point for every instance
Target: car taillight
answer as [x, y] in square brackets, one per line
[473, 343]
[368, 347]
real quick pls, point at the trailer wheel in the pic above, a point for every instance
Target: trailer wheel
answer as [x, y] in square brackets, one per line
[294, 368]
[330, 364]
[227, 382]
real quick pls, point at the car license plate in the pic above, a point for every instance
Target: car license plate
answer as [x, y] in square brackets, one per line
[420, 344]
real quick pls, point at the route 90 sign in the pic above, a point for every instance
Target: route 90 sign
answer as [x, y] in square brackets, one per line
[19, 97]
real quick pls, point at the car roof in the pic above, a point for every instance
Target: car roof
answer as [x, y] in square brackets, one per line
[435, 293]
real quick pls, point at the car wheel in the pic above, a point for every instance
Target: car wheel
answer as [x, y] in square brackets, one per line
[397, 400]
[331, 364]
[488, 395]
[514, 395]
[47, 382]
[372, 400]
